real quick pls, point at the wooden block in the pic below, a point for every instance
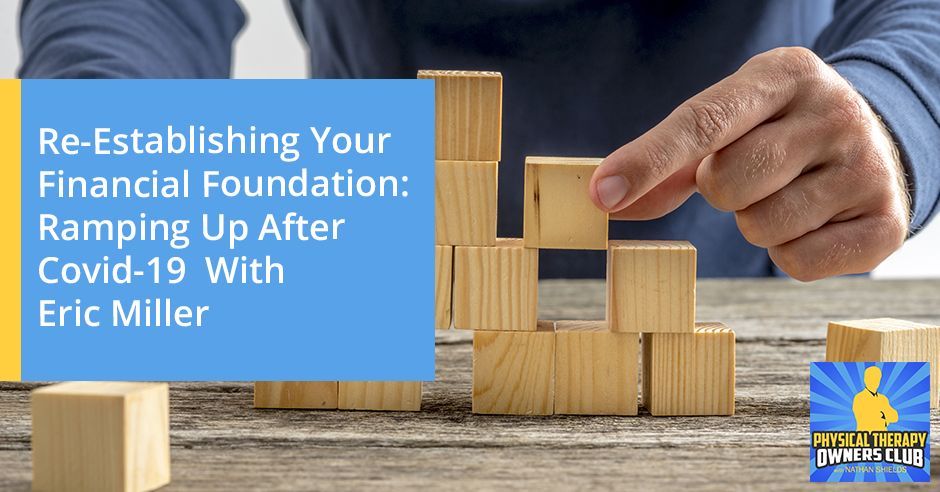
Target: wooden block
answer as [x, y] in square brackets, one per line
[443, 286]
[90, 436]
[595, 369]
[651, 286]
[886, 340]
[468, 112]
[465, 203]
[689, 373]
[297, 394]
[496, 287]
[558, 211]
[513, 371]
[380, 395]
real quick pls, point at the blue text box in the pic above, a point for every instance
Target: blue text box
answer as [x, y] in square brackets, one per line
[358, 307]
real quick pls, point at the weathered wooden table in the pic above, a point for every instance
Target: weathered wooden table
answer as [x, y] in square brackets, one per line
[219, 442]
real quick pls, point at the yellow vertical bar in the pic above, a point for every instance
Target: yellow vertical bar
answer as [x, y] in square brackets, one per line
[10, 227]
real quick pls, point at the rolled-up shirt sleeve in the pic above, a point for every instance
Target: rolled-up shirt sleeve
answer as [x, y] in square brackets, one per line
[890, 51]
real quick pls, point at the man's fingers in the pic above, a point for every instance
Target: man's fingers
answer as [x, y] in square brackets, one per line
[664, 198]
[762, 162]
[839, 248]
[802, 206]
[700, 126]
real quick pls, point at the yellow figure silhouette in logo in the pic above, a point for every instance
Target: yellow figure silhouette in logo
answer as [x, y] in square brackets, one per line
[872, 410]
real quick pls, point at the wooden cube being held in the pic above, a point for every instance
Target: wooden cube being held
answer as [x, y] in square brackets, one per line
[558, 211]
[887, 340]
[513, 371]
[496, 287]
[595, 369]
[689, 373]
[91, 436]
[651, 286]
[297, 394]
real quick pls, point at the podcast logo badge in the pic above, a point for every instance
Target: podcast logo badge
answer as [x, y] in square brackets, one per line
[869, 422]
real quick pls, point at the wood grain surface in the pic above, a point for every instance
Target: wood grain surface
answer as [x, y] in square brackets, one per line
[496, 288]
[465, 203]
[443, 286]
[297, 394]
[514, 371]
[595, 369]
[219, 442]
[129, 423]
[469, 114]
[557, 210]
[887, 339]
[689, 373]
[403, 396]
[651, 286]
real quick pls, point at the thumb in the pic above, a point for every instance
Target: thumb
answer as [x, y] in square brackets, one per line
[642, 181]
[662, 199]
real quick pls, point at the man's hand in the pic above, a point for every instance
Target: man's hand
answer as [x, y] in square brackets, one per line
[785, 143]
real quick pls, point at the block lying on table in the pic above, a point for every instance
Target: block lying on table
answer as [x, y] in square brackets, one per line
[297, 394]
[595, 369]
[651, 286]
[443, 286]
[404, 396]
[689, 373]
[496, 287]
[513, 371]
[468, 110]
[558, 211]
[886, 340]
[91, 436]
[465, 203]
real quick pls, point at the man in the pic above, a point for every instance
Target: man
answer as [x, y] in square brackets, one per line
[785, 146]
[873, 411]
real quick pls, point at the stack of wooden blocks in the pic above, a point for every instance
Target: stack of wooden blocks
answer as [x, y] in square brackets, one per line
[525, 366]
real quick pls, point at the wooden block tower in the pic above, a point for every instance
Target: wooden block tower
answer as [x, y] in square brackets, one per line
[495, 280]
[467, 137]
[529, 367]
[688, 368]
